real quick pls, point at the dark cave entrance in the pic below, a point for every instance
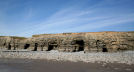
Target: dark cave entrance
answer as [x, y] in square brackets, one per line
[26, 46]
[4, 44]
[104, 50]
[52, 47]
[35, 47]
[9, 46]
[81, 44]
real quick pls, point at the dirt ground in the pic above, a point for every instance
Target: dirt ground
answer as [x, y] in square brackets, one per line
[30, 65]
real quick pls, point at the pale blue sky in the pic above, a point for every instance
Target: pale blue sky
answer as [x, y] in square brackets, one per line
[28, 17]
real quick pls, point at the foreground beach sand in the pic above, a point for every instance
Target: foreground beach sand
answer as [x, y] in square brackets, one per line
[54, 61]
[126, 57]
[42, 65]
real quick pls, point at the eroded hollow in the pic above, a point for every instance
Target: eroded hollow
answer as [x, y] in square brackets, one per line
[81, 44]
[50, 47]
[104, 50]
[35, 47]
[26, 46]
[9, 46]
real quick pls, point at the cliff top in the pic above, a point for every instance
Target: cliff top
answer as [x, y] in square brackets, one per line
[81, 33]
[59, 34]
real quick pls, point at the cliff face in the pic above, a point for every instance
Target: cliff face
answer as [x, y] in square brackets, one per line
[72, 42]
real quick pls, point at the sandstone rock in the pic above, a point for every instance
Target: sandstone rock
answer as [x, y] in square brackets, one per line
[71, 42]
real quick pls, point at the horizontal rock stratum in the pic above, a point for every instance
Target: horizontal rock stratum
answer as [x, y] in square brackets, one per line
[71, 42]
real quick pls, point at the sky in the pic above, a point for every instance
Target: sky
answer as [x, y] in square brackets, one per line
[29, 17]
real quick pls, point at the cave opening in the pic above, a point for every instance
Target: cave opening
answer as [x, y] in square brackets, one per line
[104, 50]
[50, 47]
[35, 47]
[9, 46]
[26, 46]
[4, 44]
[81, 44]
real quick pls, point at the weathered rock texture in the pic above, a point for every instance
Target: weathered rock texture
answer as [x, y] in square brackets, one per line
[71, 42]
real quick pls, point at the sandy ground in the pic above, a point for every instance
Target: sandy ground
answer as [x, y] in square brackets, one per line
[54, 61]
[41, 65]
[126, 57]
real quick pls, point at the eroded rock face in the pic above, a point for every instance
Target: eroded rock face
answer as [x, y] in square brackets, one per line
[72, 42]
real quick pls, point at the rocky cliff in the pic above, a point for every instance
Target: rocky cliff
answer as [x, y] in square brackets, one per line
[71, 42]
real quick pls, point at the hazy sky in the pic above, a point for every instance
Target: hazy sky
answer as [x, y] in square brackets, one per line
[28, 17]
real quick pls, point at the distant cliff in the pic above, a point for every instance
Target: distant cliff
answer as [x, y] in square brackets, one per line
[71, 42]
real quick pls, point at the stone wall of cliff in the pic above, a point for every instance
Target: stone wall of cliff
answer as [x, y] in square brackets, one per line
[71, 42]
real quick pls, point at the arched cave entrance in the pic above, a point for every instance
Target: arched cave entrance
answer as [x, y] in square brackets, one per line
[26, 46]
[81, 44]
[4, 44]
[35, 47]
[9, 46]
[104, 50]
[52, 46]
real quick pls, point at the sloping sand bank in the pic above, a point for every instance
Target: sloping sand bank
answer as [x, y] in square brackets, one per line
[38, 65]
[126, 57]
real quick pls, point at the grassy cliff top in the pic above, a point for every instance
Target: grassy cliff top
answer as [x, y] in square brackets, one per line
[15, 37]
[110, 32]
